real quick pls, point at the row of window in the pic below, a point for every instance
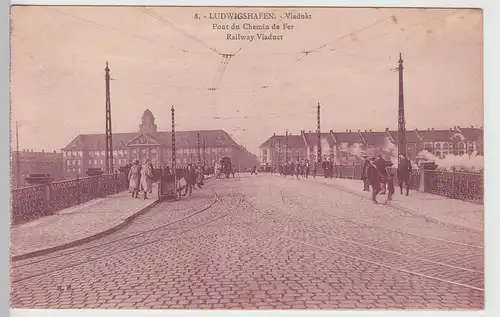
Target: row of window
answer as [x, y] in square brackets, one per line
[124, 153]
[446, 146]
[71, 165]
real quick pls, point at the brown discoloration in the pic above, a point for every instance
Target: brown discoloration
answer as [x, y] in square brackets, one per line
[256, 241]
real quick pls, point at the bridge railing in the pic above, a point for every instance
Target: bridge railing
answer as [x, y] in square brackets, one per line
[457, 185]
[33, 202]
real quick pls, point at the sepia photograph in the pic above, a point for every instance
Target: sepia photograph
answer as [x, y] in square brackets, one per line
[247, 158]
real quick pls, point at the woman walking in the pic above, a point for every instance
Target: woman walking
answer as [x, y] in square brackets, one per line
[134, 178]
[147, 178]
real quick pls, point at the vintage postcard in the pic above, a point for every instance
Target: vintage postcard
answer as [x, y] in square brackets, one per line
[247, 158]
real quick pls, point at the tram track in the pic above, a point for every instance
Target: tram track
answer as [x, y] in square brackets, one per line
[428, 247]
[364, 224]
[94, 254]
[425, 268]
[403, 210]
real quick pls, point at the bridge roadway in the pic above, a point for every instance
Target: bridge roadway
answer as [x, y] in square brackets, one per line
[263, 242]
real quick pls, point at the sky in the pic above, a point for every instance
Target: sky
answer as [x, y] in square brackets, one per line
[164, 56]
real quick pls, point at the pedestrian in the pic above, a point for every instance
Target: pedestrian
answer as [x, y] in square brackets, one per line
[314, 164]
[374, 176]
[134, 178]
[404, 171]
[181, 184]
[330, 168]
[324, 165]
[126, 171]
[153, 173]
[297, 169]
[254, 170]
[308, 169]
[364, 176]
[190, 179]
[390, 185]
[200, 177]
[381, 165]
[147, 178]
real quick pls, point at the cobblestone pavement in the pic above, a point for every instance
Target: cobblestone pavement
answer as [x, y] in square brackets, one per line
[263, 243]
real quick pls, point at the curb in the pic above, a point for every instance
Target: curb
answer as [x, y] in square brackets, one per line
[78, 242]
[96, 236]
[403, 209]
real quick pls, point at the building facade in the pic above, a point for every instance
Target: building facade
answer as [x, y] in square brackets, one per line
[88, 150]
[30, 162]
[345, 147]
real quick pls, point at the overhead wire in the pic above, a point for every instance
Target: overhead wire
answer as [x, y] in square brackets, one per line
[308, 52]
[224, 61]
[140, 37]
[179, 29]
[320, 48]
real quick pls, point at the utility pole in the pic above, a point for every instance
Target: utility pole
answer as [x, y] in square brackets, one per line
[286, 147]
[198, 149]
[109, 134]
[204, 153]
[174, 161]
[279, 152]
[319, 133]
[401, 111]
[18, 158]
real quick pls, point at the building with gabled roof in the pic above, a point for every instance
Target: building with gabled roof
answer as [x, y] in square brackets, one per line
[88, 150]
[349, 145]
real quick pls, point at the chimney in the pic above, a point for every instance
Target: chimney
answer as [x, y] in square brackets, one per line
[428, 129]
[472, 127]
[366, 131]
[370, 130]
[43, 151]
[54, 151]
[386, 129]
[432, 129]
[349, 130]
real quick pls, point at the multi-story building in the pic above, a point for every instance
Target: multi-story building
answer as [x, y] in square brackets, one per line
[347, 146]
[31, 162]
[88, 150]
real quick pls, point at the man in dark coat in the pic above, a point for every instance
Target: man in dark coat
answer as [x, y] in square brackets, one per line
[375, 179]
[364, 176]
[404, 170]
[190, 179]
[324, 166]
[381, 165]
[126, 171]
[330, 167]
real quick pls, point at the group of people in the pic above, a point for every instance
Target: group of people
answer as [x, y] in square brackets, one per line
[140, 178]
[219, 169]
[375, 174]
[299, 168]
[192, 177]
